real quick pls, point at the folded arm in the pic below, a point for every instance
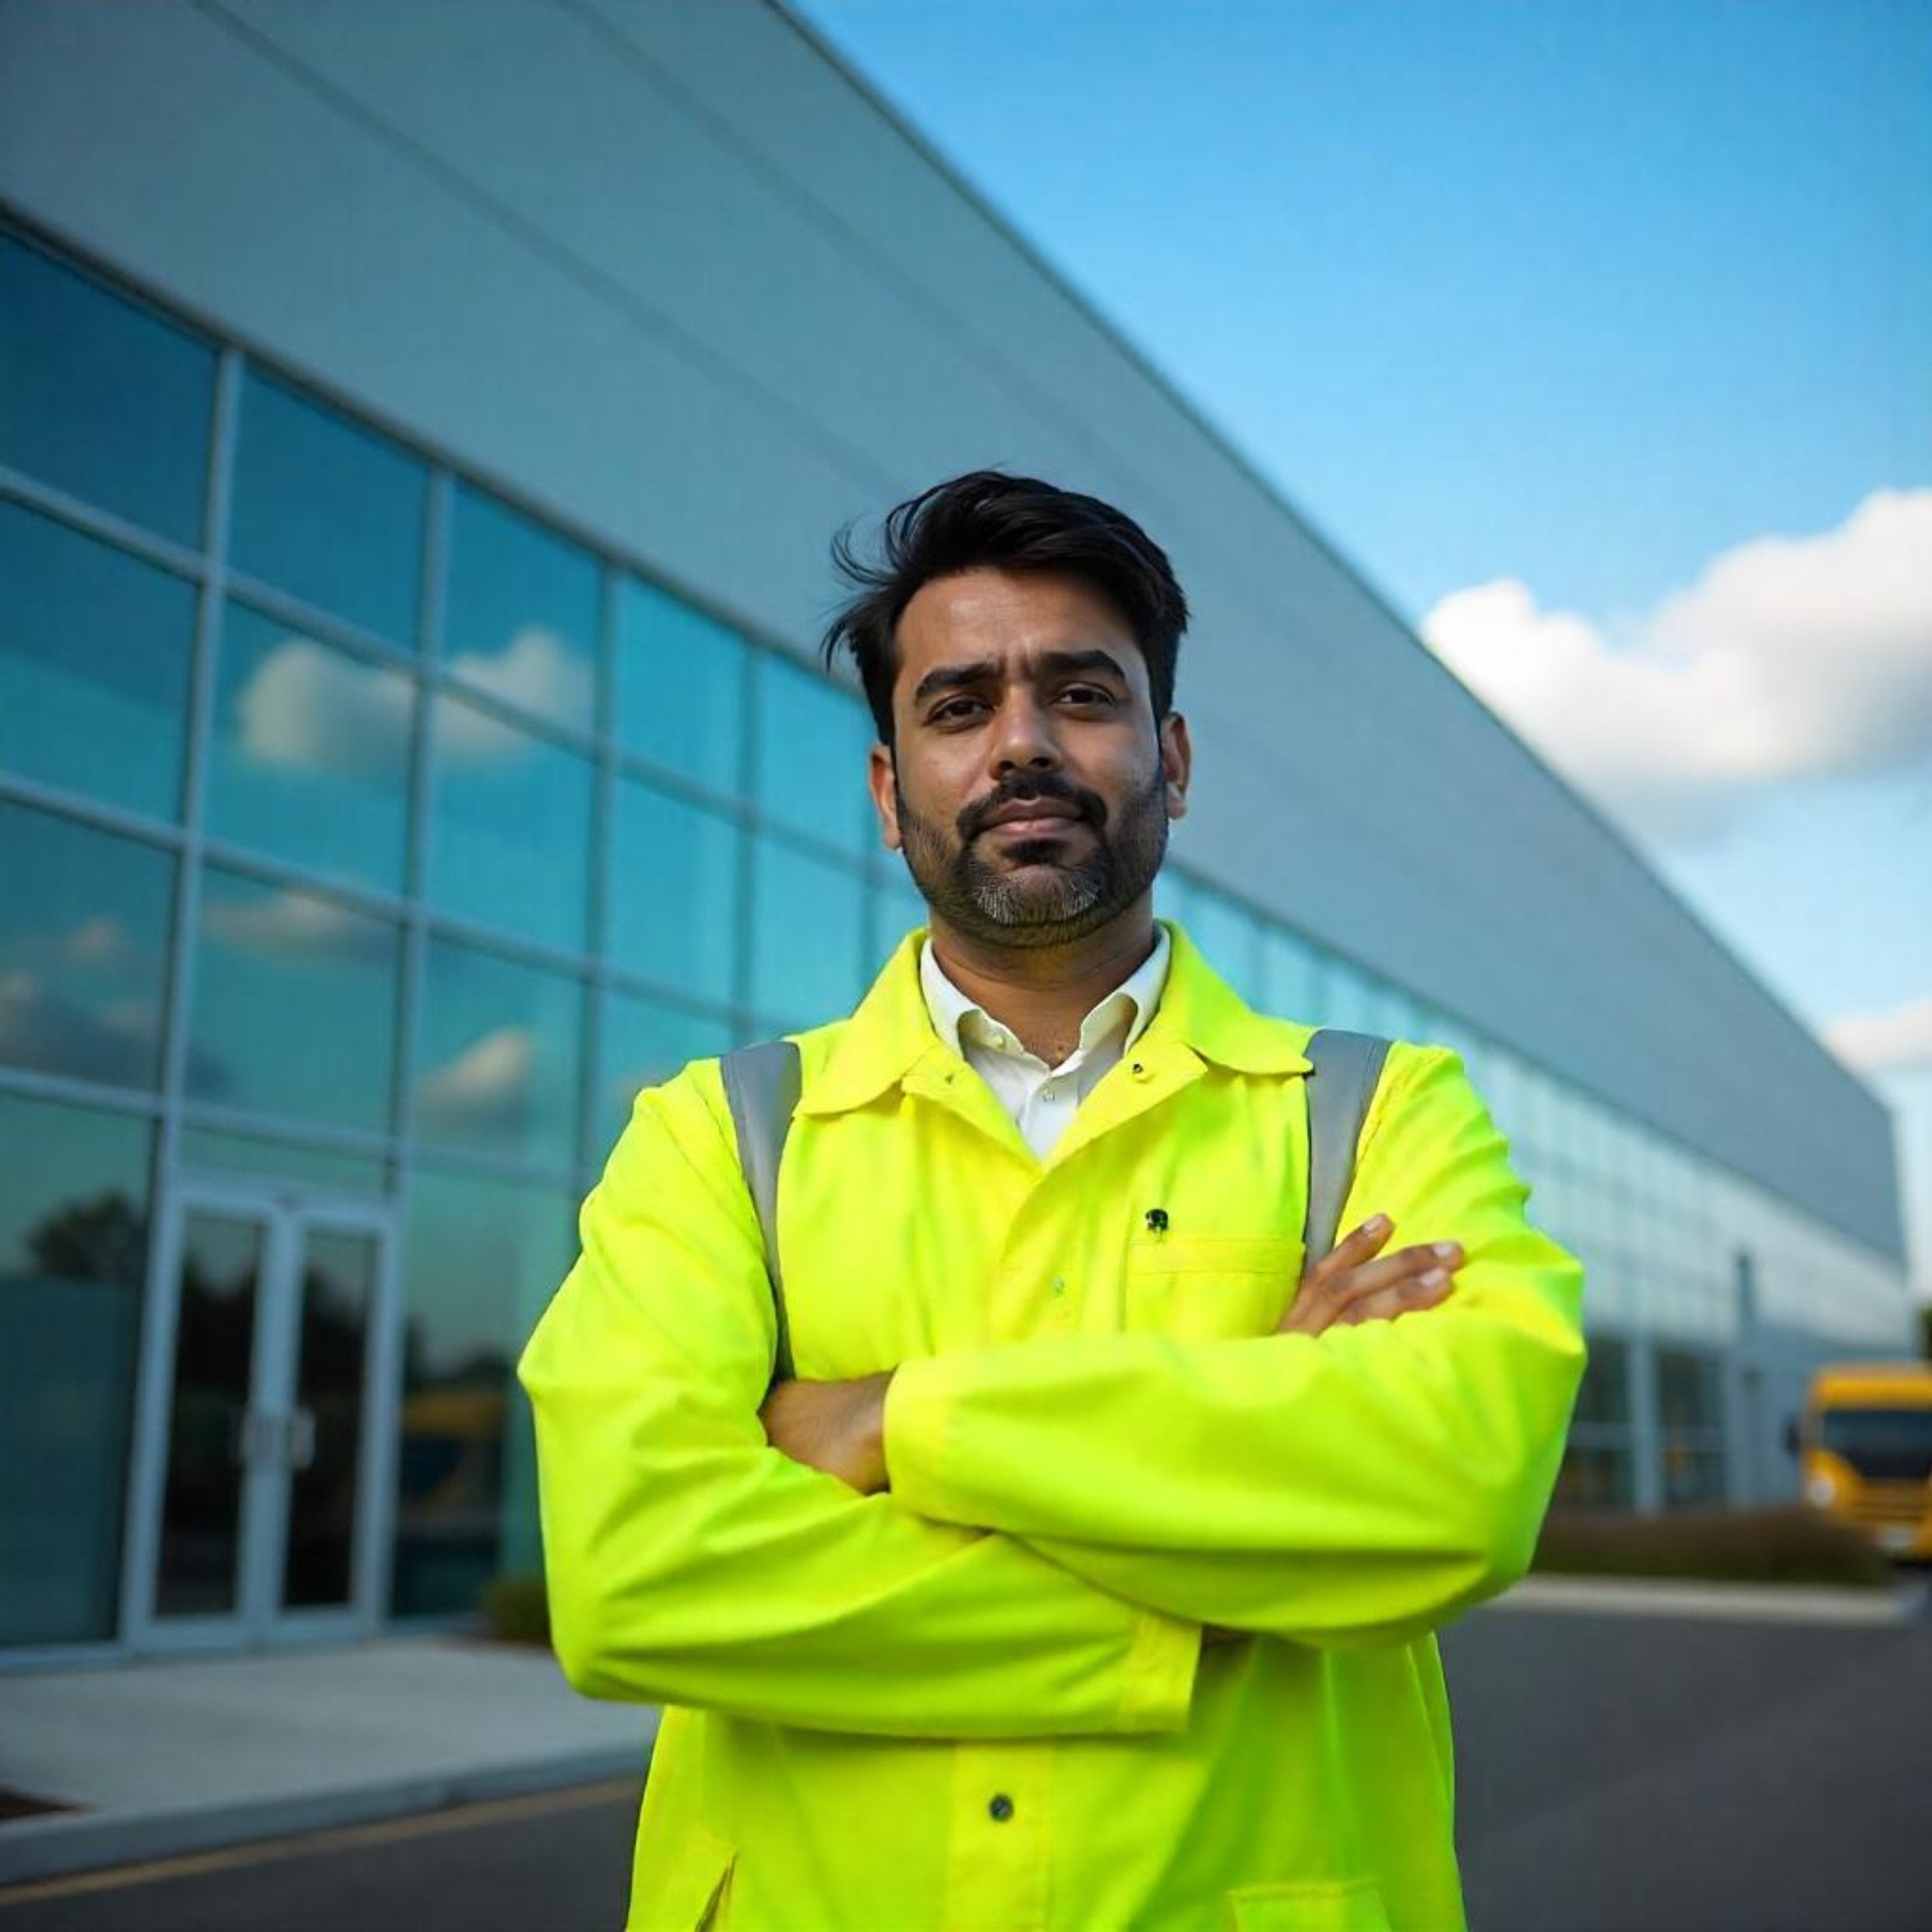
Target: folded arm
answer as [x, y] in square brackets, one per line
[690, 1563]
[1357, 1484]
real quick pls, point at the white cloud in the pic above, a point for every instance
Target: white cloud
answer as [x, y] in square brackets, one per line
[40, 1028]
[536, 671]
[308, 708]
[487, 1085]
[1898, 1041]
[101, 941]
[1790, 658]
[298, 925]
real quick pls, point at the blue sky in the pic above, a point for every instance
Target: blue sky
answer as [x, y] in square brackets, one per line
[1621, 306]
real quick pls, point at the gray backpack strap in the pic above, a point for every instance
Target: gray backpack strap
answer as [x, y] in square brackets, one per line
[761, 1085]
[1345, 1068]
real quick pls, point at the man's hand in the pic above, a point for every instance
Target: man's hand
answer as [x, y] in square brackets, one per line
[838, 1427]
[1349, 1285]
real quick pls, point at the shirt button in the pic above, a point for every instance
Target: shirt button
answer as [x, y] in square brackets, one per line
[1059, 1284]
[1046, 1093]
[1001, 1808]
[1139, 1070]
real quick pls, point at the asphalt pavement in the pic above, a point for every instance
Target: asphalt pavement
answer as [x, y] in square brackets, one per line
[1618, 1773]
[1623, 1774]
[556, 1861]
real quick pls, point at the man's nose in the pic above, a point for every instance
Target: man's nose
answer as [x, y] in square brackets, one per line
[1025, 739]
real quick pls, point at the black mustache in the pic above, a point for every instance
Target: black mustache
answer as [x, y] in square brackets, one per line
[1087, 805]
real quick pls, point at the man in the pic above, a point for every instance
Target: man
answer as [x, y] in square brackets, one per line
[1083, 1577]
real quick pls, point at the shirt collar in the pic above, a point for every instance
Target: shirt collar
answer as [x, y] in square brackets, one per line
[1136, 998]
[893, 1029]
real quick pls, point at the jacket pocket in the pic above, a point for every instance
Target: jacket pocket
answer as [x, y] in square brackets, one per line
[1351, 1906]
[1207, 1288]
[688, 1892]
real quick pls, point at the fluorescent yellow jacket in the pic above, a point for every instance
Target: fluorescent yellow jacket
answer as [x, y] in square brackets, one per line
[984, 1699]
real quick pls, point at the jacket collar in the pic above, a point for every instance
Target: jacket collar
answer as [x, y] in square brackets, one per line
[891, 1032]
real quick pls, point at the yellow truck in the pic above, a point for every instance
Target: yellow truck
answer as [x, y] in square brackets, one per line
[1864, 1444]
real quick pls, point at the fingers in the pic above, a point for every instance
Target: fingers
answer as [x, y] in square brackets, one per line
[1392, 1271]
[1430, 1289]
[1351, 1250]
[1350, 1285]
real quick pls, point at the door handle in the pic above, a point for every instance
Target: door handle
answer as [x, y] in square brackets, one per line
[257, 1438]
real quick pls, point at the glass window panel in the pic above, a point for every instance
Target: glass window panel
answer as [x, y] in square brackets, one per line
[680, 686]
[100, 398]
[524, 610]
[310, 755]
[327, 509]
[644, 1043]
[501, 1047]
[1503, 1090]
[294, 1004]
[511, 841]
[204, 1150]
[812, 742]
[84, 925]
[808, 933]
[1291, 975]
[1226, 938]
[1604, 1395]
[673, 892]
[1346, 1002]
[338, 1286]
[1538, 1120]
[1694, 1476]
[1689, 1394]
[94, 651]
[73, 1255]
[1608, 1296]
[1399, 1016]
[198, 1568]
[481, 1257]
[1174, 897]
[1595, 1477]
[897, 909]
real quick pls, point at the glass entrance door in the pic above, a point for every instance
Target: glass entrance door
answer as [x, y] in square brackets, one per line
[263, 1461]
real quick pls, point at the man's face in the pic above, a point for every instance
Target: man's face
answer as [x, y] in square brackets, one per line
[1029, 785]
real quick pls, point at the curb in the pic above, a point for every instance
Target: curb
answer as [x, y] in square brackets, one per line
[1734, 1602]
[55, 1844]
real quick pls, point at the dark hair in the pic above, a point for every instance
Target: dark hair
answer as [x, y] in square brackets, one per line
[987, 518]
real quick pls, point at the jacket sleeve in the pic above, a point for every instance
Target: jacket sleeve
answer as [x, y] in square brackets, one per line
[1357, 1485]
[691, 1563]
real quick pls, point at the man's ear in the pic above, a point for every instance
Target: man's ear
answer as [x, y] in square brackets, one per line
[882, 782]
[1177, 763]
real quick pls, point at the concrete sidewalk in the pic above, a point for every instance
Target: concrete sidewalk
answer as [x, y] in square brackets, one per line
[159, 1758]
[1906, 1602]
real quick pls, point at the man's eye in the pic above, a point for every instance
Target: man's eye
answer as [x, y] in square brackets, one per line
[1087, 694]
[956, 711]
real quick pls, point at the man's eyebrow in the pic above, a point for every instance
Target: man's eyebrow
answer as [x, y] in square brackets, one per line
[955, 678]
[987, 671]
[1060, 663]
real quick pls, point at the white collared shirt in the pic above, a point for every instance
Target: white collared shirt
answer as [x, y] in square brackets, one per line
[1042, 1099]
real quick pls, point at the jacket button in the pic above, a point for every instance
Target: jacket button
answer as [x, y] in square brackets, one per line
[1001, 1808]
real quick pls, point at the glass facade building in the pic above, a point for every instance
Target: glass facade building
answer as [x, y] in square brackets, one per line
[367, 841]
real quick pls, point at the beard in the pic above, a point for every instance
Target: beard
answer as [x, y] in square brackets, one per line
[1039, 897]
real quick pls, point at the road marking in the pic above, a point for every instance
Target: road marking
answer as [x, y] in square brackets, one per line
[461, 1817]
